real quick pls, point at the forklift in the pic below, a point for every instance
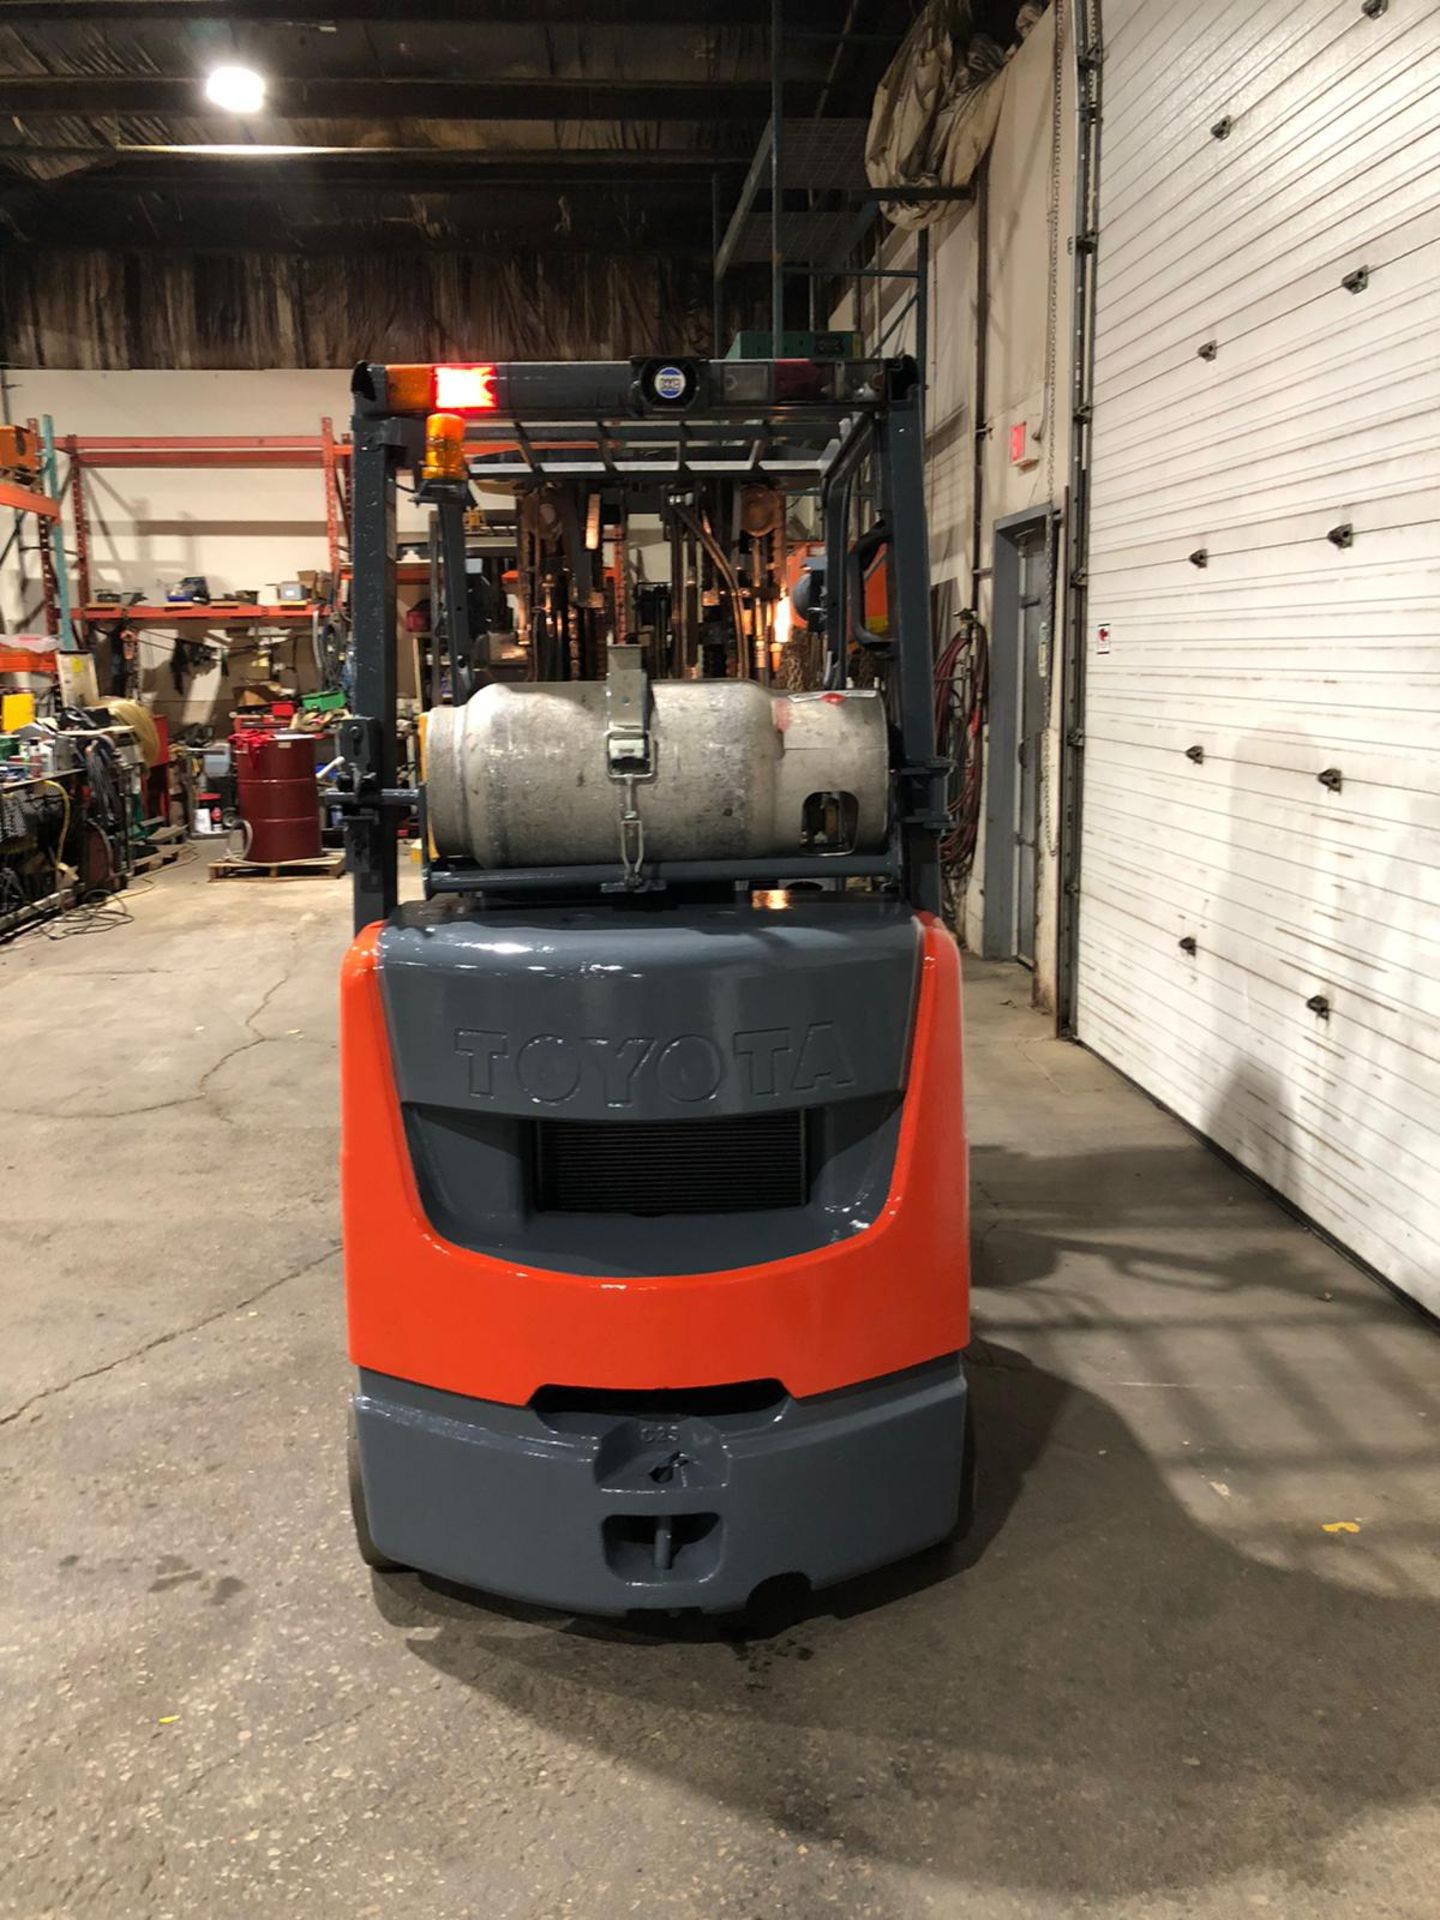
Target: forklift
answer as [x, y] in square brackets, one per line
[653, 1150]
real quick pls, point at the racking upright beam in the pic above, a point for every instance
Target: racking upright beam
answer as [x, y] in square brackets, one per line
[47, 533]
[334, 506]
[80, 517]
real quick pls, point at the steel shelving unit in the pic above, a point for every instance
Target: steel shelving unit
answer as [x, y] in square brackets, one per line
[322, 450]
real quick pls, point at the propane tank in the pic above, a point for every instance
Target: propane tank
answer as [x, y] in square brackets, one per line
[540, 774]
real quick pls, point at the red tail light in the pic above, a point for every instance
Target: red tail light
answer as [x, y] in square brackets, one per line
[465, 389]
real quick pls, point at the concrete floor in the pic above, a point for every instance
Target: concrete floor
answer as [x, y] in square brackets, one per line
[1154, 1685]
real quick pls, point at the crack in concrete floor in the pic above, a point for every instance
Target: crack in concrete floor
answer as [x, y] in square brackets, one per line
[171, 1334]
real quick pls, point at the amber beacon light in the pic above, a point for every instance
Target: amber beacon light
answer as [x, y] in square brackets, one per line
[444, 447]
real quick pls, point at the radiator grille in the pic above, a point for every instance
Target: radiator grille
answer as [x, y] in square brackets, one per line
[672, 1166]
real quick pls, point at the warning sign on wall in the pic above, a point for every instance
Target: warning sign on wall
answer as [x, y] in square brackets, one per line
[1102, 636]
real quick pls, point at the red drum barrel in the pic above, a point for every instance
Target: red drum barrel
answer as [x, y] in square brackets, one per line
[275, 773]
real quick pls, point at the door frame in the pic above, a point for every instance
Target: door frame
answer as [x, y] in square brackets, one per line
[1002, 764]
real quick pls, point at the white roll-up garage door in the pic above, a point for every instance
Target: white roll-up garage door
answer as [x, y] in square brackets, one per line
[1259, 940]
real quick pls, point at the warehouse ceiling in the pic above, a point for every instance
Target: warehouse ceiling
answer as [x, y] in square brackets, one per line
[609, 126]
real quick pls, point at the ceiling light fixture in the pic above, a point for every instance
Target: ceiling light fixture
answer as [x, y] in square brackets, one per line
[235, 89]
[232, 150]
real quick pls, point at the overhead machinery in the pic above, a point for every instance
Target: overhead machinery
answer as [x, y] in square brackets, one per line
[654, 1164]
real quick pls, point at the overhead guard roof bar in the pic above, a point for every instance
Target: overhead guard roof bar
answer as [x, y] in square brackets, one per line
[646, 448]
[584, 391]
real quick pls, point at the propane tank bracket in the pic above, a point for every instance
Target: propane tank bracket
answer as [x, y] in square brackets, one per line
[629, 749]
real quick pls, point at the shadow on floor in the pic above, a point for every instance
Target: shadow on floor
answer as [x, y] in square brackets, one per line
[1168, 1215]
[1108, 1700]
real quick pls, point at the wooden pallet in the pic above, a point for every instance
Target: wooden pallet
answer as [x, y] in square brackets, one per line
[327, 866]
[165, 845]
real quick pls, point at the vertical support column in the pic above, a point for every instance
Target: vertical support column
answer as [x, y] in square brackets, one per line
[80, 508]
[836, 497]
[626, 614]
[922, 313]
[777, 196]
[332, 502]
[980, 399]
[369, 836]
[432, 694]
[454, 606]
[56, 534]
[1089, 60]
[903, 460]
[679, 655]
[717, 284]
[836, 513]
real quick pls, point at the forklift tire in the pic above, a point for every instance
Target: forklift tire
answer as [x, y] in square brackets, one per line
[969, 1481]
[369, 1552]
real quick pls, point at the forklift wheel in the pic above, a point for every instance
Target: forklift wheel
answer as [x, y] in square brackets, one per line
[369, 1552]
[969, 1481]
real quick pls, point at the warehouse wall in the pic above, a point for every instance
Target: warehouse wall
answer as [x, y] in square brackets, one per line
[1029, 223]
[66, 307]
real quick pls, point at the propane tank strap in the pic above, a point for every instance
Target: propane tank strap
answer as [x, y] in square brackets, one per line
[632, 835]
